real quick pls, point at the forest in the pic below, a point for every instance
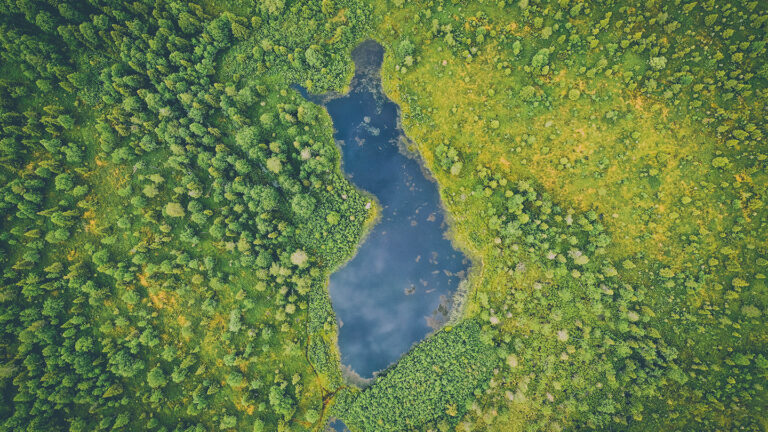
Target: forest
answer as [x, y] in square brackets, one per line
[171, 209]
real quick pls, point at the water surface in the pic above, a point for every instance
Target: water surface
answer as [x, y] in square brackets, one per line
[398, 287]
[336, 426]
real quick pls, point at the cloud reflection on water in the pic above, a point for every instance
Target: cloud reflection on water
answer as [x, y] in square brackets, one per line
[388, 293]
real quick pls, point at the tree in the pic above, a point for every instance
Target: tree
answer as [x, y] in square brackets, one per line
[130, 297]
[234, 321]
[333, 218]
[281, 403]
[235, 380]
[78, 79]
[57, 236]
[405, 48]
[150, 190]
[303, 205]
[456, 168]
[258, 426]
[267, 120]
[541, 58]
[658, 63]
[64, 182]
[274, 164]
[220, 29]
[101, 257]
[528, 93]
[247, 137]
[46, 22]
[67, 122]
[268, 197]
[174, 209]
[312, 416]
[228, 422]
[299, 258]
[156, 377]
[239, 31]
[313, 58]
[273, 7]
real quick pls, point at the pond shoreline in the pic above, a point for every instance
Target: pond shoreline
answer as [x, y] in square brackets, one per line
[368, 57]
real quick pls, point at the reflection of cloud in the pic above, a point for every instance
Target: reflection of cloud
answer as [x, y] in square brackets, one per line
[379, 322]
[380, 332]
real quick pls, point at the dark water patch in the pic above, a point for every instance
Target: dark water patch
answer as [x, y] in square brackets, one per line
[336, 426]
[398, 287]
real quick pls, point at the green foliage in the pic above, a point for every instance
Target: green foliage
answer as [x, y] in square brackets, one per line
[174, 209]
[608, 279]
[658, 63]
[147, 190]
[312, 416]
[170, 211]
[303, 205]
[437, 377]
[156, 378]
[280, 402]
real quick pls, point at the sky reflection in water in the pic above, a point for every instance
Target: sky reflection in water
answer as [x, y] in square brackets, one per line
[386, 295]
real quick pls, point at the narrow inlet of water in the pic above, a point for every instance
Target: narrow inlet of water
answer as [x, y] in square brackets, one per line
[398, 287]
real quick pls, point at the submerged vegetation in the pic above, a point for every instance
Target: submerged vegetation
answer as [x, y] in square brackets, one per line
[171, 210]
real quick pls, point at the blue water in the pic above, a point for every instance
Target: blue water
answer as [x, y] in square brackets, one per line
[389, 295]
[338, 426]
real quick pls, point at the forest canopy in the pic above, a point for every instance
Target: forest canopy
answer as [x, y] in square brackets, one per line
[171, 210]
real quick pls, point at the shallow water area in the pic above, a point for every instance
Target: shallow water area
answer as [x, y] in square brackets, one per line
[337, 426]
[398, 287]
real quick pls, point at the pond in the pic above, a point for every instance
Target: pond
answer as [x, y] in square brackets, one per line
[336, 426]
[398, 287]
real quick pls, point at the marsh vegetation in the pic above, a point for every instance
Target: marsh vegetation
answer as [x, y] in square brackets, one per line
[172, 210]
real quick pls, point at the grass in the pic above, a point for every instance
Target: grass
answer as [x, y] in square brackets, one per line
[642, 163]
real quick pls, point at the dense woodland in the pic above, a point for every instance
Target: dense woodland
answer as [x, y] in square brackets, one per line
[171, 210]
[168, 228]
